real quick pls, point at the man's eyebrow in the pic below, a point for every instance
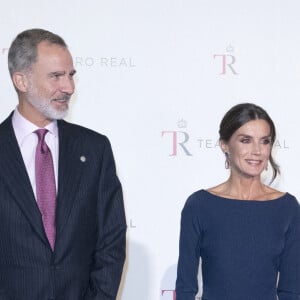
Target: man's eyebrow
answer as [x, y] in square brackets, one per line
[56, 73]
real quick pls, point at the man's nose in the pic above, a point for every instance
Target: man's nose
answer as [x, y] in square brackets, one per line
[68, 85]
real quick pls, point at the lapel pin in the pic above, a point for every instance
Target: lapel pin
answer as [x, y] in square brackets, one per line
[83, 158]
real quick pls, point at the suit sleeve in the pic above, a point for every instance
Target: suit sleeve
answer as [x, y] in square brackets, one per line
[189, 253]
[289, 271]
[3, 296]
[110, 249]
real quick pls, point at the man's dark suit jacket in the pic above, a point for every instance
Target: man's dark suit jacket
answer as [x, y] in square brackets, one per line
[89, 252]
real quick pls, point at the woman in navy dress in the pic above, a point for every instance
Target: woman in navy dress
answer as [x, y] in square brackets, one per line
[246, 233]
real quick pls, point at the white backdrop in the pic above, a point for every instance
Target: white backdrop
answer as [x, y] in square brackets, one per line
[151, 72]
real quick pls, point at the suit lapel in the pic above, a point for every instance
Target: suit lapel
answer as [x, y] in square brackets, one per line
[14, 175]
[69, 173]
[17, 180]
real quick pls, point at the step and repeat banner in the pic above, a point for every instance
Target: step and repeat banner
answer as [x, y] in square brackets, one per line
[156, 77]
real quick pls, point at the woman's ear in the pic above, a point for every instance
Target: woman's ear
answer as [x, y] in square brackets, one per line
[223, 146]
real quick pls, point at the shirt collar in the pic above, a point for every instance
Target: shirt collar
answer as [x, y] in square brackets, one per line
[23, 128]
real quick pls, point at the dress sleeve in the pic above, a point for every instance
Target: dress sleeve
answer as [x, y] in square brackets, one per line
[189, 252]
[289, 269]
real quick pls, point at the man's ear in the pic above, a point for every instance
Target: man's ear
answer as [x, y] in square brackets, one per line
[20, 81]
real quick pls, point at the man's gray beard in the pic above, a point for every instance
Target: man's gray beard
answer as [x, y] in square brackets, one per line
[45, 108]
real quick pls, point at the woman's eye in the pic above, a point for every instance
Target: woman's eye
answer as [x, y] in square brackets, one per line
[266, 141]
[245, 141]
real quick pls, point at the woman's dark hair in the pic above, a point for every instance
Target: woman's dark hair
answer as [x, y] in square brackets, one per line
[242, 113]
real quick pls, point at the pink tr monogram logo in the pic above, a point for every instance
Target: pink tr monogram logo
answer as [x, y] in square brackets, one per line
[227, 61]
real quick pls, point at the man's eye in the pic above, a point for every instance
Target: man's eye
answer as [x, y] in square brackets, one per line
[56, 75]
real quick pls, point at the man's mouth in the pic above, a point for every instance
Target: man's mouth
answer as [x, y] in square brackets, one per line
[63, 99]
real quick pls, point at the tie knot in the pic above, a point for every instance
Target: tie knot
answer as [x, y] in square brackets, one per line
[41, 133]
[41, 143]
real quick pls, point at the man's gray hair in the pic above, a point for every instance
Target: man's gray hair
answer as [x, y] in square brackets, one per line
[23, 50]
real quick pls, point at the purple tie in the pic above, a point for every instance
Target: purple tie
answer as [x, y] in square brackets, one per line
[45, 185]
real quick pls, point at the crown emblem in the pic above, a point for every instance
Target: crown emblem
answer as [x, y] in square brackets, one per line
[182, 123]
[229, 48]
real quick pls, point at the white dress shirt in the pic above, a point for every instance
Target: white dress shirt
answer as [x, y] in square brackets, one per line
[28, 139]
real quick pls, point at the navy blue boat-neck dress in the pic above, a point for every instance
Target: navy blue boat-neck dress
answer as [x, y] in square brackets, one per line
[250, 250]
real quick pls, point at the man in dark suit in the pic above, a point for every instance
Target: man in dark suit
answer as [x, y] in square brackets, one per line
[70, 246]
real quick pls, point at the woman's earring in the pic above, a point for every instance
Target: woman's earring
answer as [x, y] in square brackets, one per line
[266, 167]
[227, 165]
